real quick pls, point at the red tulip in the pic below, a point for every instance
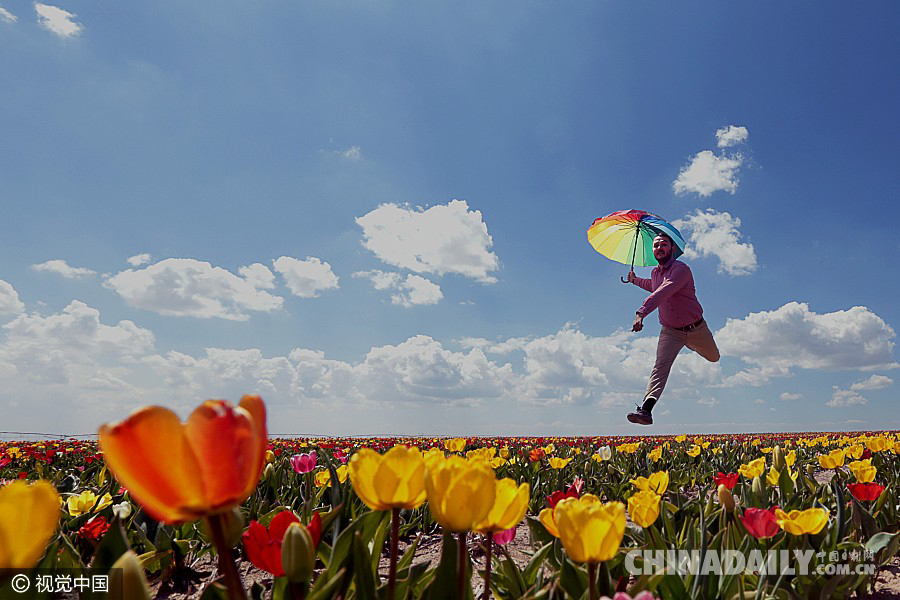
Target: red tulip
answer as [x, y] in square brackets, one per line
[729, 480]
[263, 546]
[865, 492]
[94, 529]
[760, 523]
[574, 491]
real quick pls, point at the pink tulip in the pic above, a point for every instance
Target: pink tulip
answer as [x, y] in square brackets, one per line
[505, 537]
[304, 463]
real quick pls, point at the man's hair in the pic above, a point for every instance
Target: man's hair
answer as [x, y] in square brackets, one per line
[665, 235]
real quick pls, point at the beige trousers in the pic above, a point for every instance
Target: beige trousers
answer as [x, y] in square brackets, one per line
[671, 341]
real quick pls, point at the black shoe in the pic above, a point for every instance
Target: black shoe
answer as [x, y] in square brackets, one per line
[641, 416]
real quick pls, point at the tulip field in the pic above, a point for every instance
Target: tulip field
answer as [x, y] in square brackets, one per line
[153, 499]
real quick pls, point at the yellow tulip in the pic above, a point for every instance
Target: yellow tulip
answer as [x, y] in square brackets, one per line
[863, 470]
[657, 482]
[395, 480]
[590, 531]
[754, 468]
[832, 460]
[790, 458]
[855, 451]
[798, 522]
[547, 516]
[878, 444]
[322, 478]
[549, 449]
[680, 438]
[655, 454]
[86, 502]
[772, 477]
[558, 463]
[433, 454]
[270, 456]
[504, 452]
[628, 448]
[694, 450]
[644, 508]
[510, 504]
[29, 515]
[455, 444]
[460, 492]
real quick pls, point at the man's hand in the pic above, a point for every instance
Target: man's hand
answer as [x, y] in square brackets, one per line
[631, 276]
[638, 323]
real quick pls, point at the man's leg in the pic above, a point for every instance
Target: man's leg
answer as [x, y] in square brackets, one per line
[701, 341]
[670, 344]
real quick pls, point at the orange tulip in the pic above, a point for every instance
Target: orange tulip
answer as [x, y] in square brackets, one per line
[185, 472]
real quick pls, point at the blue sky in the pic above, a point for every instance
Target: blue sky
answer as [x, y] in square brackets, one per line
[373, 213]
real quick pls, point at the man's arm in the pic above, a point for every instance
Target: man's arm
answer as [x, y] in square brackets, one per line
[675, 279]
[639, 281]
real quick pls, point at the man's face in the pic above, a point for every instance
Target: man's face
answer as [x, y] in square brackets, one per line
[662, 249]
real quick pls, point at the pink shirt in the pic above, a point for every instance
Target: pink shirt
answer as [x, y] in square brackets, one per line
[672, 287]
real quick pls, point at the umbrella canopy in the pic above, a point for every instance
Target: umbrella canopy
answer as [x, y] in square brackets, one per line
[627, 236]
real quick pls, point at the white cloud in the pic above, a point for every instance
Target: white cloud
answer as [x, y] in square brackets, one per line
[57, 20]
[789, 396]
[793, 336]
[185, 287]
[843, 398]
[258, 275]
[9, 300]
[442, 239]
[716, 234]
[708, 402]
[759, 401]
[875, 382]
[306, 278]
[411, 290]
[352, 153]
[139, 259]
[60, 267]
[7, 16]
[708, 173]
[731, 135]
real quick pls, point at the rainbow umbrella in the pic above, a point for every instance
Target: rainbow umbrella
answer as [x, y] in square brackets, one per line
[626, 236]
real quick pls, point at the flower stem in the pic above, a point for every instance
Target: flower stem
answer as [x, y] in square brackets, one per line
[487, 565]
[592, 575]
[395, 535]
[226, 565]
[461, 567]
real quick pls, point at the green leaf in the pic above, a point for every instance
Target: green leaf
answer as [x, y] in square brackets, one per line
[534, 565]
[362, 574]
[573, 579]
[864, 518]
[408, 555]
[888, 542]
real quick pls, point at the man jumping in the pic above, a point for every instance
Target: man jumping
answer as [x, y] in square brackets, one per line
[672, 291]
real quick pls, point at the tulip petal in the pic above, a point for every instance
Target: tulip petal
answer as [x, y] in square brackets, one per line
[221, 434]
[29, 514]
[150, 455]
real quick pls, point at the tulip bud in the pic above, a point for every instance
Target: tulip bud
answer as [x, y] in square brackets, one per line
[726, 499]
[127, 580]
[811, 471]
[270, 457]
[778, 457]
[298, 557]
[232, 522]
[757, 487]
[269, 472]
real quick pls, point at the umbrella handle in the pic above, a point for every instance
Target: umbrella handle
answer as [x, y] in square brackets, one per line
[623, 280]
